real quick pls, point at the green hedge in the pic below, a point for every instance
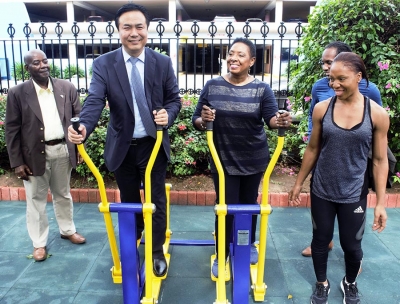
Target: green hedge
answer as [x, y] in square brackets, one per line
[4, 163]
[189, 149]
[371, 28]
[71, 70]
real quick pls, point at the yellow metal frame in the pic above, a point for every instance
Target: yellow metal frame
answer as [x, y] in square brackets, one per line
[257, 271]
[151, 290]
[221, 211]
[168, 232]
[104, 207]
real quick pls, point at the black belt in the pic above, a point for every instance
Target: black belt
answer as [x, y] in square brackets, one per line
[54, 142]
[138, 141]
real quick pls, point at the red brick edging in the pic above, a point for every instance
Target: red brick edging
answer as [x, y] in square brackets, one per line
[194, 198]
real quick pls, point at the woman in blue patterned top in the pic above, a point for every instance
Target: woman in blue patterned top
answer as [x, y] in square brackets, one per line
[239, 105]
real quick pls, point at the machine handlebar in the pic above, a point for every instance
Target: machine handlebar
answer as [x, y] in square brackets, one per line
[75, 123]
[281, 131]
[159, 127]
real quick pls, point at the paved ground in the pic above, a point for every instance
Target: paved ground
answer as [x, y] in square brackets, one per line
[81, 273]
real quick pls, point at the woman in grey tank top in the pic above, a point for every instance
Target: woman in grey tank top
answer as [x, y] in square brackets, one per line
[345, 127]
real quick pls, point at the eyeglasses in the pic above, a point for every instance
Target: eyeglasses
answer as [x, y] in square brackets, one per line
[328, 62]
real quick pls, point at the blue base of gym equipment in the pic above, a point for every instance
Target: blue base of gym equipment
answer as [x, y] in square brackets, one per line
[133, 277]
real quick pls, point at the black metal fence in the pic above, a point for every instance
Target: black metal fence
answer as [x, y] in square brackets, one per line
[197, 55]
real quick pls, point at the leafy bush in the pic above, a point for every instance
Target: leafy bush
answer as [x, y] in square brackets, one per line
[290, 68]
[189, 149]
[72, 70]
[55, 71]
[94, 147]
[292, 147]
[161, 51]
[20, 71]
[4, 164]
[371, 28]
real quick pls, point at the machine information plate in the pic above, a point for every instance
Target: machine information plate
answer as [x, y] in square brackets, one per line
[243, 237]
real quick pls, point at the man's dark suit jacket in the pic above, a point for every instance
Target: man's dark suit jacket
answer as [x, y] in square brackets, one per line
[24, 123]
[110, 83]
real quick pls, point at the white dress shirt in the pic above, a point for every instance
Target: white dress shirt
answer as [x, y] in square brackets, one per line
[139, 130]
[53, 128]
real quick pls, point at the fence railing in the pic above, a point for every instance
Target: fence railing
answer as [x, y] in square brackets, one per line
[198, 50]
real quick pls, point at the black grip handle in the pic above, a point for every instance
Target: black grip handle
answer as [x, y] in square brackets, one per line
[75, 123]
[209, 124]
[159, 127]
[281, 131]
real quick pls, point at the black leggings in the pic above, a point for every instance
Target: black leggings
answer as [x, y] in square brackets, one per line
[238, 190]
[351, 223]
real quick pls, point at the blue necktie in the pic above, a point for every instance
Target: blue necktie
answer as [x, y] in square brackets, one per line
[137, 87]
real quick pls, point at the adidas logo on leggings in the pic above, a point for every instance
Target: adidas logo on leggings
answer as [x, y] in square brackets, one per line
[359, 210]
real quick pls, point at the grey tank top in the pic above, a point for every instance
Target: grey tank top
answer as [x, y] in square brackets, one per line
[340, 170]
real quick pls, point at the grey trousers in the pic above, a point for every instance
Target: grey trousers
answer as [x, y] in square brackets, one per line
[56, 177]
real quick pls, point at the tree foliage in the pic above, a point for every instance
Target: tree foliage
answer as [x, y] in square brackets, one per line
[372, 29]
[19, 72]
[72, 70]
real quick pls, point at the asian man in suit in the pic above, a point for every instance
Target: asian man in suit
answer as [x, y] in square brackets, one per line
[135, 81]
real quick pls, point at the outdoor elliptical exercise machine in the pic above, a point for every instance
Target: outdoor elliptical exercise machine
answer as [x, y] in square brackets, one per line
[240, 245]
[133, 277]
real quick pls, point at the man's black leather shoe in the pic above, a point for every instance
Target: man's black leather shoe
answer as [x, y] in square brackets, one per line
[160, 266]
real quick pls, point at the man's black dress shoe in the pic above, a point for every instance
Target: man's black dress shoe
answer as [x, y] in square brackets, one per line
[159, 266]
